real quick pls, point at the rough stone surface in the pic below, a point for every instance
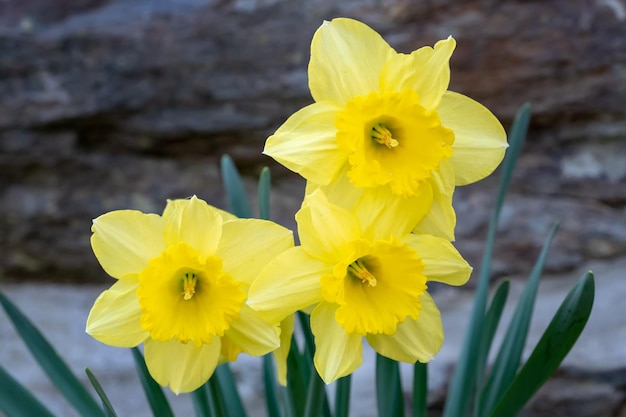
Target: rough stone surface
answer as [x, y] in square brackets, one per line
[107, 104]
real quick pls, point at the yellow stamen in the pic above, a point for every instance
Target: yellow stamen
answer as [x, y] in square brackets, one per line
[359, 270]
[189, 285]
[382, 135]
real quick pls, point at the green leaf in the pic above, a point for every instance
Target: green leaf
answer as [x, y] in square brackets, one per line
[388, 387]
[464, 379]
[154, 393]
[51, 363]
[17, 401]
[315, 397]
[227, 390]
[106, 404]
[420, 389]
[237, 196]
[216, 401]
[269, 381]
[202, 406]
[265, 183]
[510, 353]
[342, 396]
[492, 319]
[298, 374]
[555, 343]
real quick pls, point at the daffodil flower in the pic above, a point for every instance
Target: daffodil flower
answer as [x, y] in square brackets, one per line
[365, 276]
[383, 119]
[182, 282]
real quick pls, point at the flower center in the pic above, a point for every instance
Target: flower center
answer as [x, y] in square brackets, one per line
[358, 270]
[187, 297]
[369, 126]
[189, 285]
[382, 135]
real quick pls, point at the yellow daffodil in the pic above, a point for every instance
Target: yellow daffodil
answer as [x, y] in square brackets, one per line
[182, 282]
[365, 275]
[383, 119]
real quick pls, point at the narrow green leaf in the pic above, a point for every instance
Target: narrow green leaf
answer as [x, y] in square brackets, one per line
[237, 196]
[17, 401]
[106, 404]
[492, 319]
[265, 184]
[388, 388]
[154, 393]
[269, 381]
[555, 343]
[420, 389]
[228, 393]
[298, 374]
[509, 356]
[202, 406]
[464, 379]
[315, 397]
[216, 400]
[342, 396]
[51, 363]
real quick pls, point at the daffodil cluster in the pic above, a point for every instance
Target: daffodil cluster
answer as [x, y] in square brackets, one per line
[382, 149]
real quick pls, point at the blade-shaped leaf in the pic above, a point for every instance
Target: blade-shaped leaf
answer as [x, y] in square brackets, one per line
[51, 363]
[388, 387]
[420, 389]
[154, 393]
[269, 380]
[106, 404]
[228, 393]
[509, 356]
[17, 401]
[315, 396]
[342, 396]
[237, 197]
[202, 405]
[464, 380]
[555, 343]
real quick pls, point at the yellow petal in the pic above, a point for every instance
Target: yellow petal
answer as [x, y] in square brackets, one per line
[426, 71]
[340, 191]
[415, 340]
[306, 143]
[337, 353]
[325, 229]
[280, 354]
[173, 205]
[480, 139]
[114, 318]
[383, 214]
[346, 59]
[252, 334]
[125, 240]
[288, 283]
[441, 219]
[194, 222]
[181, 366]
[442, 262]
[247, 245]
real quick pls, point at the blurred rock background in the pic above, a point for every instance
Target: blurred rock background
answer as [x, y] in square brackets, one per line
[111, 104]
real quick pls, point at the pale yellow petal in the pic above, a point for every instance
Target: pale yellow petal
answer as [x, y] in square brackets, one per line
[181, 366]
[325, 229]
[337, 353]
[346, 59]
[173, 205]
[415, 340]
[480, 139]
[426, 71]
[125, 240]
[288, 283]
[247, 245]
[252, 334]
[383, 214]
[280, 354]
[442, 262]
[441, 218]
[306, 143]
[114, 318]
[340, 191]
[194, 222]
